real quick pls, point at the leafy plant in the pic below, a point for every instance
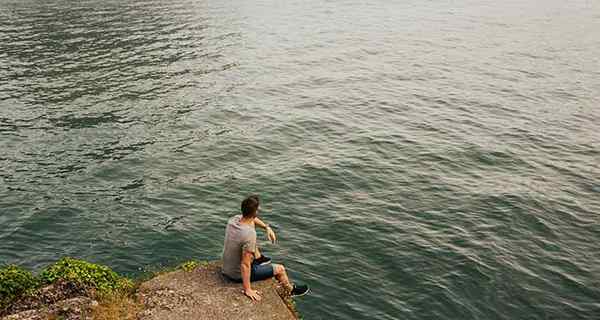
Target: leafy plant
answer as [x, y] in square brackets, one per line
[189, 266]
[86, 274]
[14, 282]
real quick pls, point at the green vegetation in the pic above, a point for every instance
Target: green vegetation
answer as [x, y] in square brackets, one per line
[88, 275]
[103, 282]
[15, 282]
[190, 265]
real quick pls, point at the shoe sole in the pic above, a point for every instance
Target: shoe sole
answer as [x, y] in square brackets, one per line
[300, 295]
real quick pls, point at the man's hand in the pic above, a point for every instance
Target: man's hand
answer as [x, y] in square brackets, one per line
[252, 294]
[271, 234]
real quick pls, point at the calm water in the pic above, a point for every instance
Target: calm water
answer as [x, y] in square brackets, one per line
[419, 159]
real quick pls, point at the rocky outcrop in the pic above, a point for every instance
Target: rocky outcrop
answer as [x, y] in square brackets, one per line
[196, 293]
[78, 308]
[60, 300]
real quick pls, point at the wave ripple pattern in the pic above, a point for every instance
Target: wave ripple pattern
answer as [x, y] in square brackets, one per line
[418, 159]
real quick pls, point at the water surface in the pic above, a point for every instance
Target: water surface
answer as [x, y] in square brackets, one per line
[418, 159]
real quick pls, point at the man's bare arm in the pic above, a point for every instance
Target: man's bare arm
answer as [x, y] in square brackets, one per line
[260, 223]
[247, 257]
[270, 232]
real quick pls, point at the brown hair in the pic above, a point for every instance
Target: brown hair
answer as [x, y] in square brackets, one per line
[250, 206]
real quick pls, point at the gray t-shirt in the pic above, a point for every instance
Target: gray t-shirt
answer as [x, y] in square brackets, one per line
[238, 237]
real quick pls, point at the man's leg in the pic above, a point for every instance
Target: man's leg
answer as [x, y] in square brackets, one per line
[268, 270]
[281, 276]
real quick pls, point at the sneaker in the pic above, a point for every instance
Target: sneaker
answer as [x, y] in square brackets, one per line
[299, 290]
[262, 259]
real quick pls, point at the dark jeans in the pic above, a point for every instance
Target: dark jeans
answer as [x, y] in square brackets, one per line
[258, 272]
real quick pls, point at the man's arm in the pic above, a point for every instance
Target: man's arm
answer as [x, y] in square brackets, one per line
[270, 233]
[247, 257]
[260, 223]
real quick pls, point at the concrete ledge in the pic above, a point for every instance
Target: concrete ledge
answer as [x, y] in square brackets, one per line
[204, 293]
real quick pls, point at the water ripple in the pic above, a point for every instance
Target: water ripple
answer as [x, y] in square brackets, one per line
[418, 160]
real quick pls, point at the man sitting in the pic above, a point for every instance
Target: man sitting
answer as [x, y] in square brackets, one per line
[242, 261]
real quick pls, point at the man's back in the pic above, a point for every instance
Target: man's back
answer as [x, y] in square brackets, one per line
[238, 237]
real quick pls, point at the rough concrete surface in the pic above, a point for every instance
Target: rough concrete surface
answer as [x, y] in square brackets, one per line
[205, 294]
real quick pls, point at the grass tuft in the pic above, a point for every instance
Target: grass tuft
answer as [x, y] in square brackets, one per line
[117, 305]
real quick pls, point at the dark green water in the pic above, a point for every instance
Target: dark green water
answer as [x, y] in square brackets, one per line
[419, 159]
